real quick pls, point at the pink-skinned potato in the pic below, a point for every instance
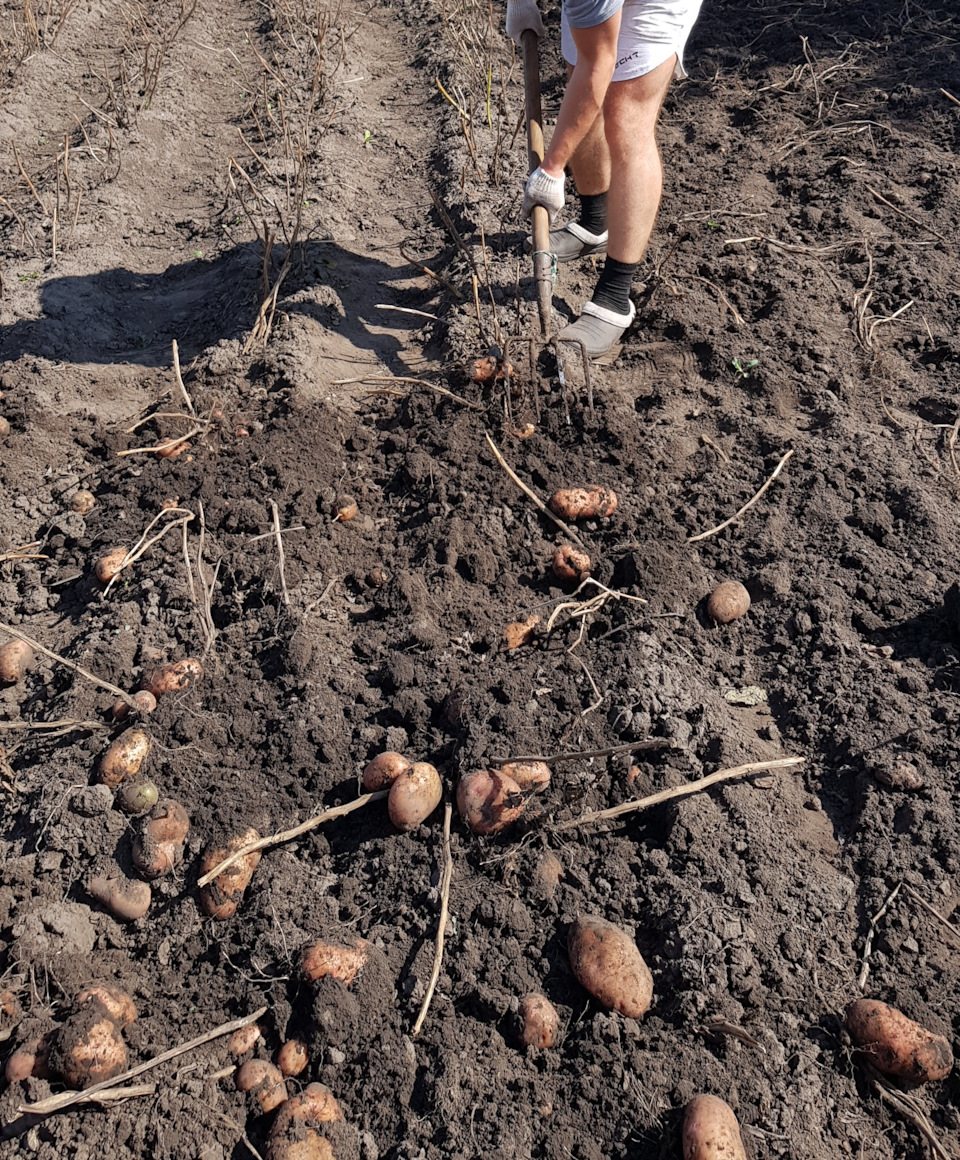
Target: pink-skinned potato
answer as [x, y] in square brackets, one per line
[300, 1130]
[711, 1131]
[896, 1045]
[16, 657]
[383, 770]
[607, 962]
[414, 795]
[489, 801]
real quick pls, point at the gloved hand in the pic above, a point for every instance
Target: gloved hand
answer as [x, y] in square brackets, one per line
[521, 15]
[542, 189]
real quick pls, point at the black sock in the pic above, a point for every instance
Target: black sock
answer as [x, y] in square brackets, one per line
[593, 212]
[613, 289]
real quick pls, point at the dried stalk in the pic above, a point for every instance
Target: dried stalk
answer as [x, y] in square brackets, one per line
[441, 922]
[70, 665]
[532, 495]
[746, 507]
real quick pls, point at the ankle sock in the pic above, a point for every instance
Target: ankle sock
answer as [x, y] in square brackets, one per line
[613, 288]
[593, 212]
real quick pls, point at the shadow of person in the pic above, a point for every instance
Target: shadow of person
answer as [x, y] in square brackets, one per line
[121, 316]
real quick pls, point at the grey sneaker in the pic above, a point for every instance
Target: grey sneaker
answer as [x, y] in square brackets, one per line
[598, 328]
[572, 241]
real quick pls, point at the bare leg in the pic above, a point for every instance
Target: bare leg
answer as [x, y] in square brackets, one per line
[590, 164]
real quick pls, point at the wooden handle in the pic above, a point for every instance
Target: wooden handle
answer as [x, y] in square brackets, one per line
[542, 262]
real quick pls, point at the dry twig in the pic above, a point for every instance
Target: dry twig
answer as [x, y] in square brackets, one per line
[666, 795]
[68, 1099]
[909, 1108]
[903, 214]
[871, 934]
[418, 382]
[70, 665]
[586, 754]
[532, 495]
[930, 910]
[143, 543]
[746, 507]
[288, 835]
[280, 552]
[445, 881]
[584, 608]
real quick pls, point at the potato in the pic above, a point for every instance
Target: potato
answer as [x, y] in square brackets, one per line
[136, 797]
[82, 501]
[4, 428]
[173, 677]
[728, 601]
[16, 658]
[895, 1044]
[108, 566]
[520, 632]
[711, 1131]
[126, 899]
[570, 563]
[384, 770]
[487, 369]
[489, 801]
[114, 1003]
[146, 703]
[124, 757]
[244, 1040]
[581, 503]
[606, 961]
[530, 776]
[264, 1081]
[345, 508]
[539, 1021]
[158, 848]
[221, 897]
[414, 795]
[296, 1132]
[32, 1058]
[171, 448]
[343, 963]
[88, 1048]
[9, 1008]
[546, 876]
[292, 1058]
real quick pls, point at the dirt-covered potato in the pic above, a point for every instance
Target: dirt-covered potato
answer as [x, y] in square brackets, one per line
[895, 1044]
[32, 1058]
[325, 958]
[582, 503]
[158, 848]
[125, 898]
[297, 1132]
[571, 564]
[136, 797]
[109, 564]
[82, 501]
[711, 1131]
[539, 1021]
[489, 801]
[414, 795]
[146, 703]
[292, 1058]
[4, 427]
[607, 962]
[124, 757]
[530, 776]
[264, 1082]
[244, 1040]
[545, 876]
[383, 770]
[221, 897]
[172, 677]
[115, 1004]
[16, 659]
[88, 1048]
[728, 601]
[345, 508]
[519, 632]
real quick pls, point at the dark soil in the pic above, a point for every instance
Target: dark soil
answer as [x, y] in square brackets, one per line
[800, 294]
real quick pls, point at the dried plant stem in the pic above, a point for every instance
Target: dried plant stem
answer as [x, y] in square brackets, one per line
[164, 444]
[288, 835]
[68, 1099]
[680, 791]
[42, 726]
[871, 934]
[746, 507]
[179, 378]
[115, 1095]
[903, 214]
[416, 382]
[585, 754]
[930, 910]
[143, 543]
[445, 881]
[280, 552]
[70, 665]
[910, 1109]
[532, 495]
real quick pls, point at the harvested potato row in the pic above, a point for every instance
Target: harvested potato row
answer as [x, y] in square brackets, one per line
[607, 962]
[221, 897]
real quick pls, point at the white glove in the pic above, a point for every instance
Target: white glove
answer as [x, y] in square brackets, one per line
[521, 15]
[542, 189]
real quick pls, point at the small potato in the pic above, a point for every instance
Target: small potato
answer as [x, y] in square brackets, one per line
[108, 566]
[88, 1048]
[292, 1058]
[539, 1021]
[376, 578]
[530, 776]
[4, 428]
[221, 897]
[487, 369]
[244, 1040]
[520, 632]
[173, 677]
[895, 1044]
[31, 1058]
[343, 963]
[570, 563]
[711, 1131]
[126, 899]
[171, 448]
[115, 1004]
[296, 1132]
[16, 658]
[82, 501]
[124, 757]
[264, 1081]
[384, 770]
[546, 877]
[9, 1007]
[607, 962]
[489, 801]
[136, 797]
[345, 509]
[414, 795]
[146, 703]
[728, 601]
[582, 503]
[158, 848]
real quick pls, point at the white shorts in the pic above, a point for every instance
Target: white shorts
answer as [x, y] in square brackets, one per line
[651, 31]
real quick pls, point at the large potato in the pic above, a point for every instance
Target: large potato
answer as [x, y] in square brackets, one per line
[124, 757]
[606, 961]
[711, 1131]
[581, 503]
[489, 801]
[414, 795]
[88, 1048]
[895, 1044]
[221, 897]
[297, 1132]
